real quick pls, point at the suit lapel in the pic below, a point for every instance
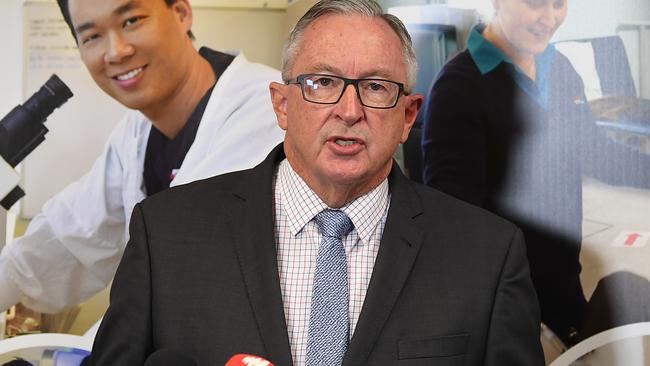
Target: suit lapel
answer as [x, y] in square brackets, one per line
[255, 246]
[400, 244]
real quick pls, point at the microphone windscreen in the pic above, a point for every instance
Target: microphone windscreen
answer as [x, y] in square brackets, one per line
[168, 357]
[248, 360]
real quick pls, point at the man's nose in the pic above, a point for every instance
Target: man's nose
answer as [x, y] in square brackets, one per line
[349, 107]
[118, 48]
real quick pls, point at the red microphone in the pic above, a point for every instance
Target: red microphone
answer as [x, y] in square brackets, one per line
[248, 360]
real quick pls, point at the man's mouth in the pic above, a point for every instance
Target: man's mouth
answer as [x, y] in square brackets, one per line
[129, 75]
[344, 142]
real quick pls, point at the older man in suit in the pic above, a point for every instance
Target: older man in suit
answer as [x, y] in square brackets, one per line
[325, 254]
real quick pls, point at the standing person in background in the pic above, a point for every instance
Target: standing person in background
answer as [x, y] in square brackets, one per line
[194, 114]
[507, 127]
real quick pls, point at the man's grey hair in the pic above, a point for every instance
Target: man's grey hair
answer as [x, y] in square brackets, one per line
[368, 8]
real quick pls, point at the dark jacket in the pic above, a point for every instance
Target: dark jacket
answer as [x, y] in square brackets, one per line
[450, 285]
[489, 143]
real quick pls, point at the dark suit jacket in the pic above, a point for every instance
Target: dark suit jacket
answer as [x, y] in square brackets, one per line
[450, 286]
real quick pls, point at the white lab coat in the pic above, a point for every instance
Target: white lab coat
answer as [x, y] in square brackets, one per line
[71, 250]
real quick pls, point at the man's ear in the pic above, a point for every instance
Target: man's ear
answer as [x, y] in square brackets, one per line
[279, 100]
[411, 109]
[183, 11]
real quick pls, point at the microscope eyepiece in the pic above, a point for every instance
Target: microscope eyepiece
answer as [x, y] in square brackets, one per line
[49, 97]
[22, 129]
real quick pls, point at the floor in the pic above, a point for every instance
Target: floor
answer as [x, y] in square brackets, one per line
[616, 232]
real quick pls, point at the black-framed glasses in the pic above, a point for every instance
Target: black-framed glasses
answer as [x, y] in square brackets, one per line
[328, 89]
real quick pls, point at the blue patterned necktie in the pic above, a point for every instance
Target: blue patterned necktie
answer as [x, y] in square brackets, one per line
[328, 323]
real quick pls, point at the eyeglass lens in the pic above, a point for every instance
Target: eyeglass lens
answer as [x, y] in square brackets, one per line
[329, 89]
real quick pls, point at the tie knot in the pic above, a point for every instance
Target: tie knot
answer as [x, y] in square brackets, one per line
[333, 223]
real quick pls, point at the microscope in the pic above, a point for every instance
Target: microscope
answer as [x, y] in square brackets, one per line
[22, 130]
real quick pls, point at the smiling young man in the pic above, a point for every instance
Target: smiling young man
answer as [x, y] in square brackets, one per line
[325, 254]
[194, 114]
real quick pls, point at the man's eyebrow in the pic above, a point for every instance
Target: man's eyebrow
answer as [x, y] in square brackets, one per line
[83, 27]
[325, 68]
[130, 5]
[124, 8]
[377, 74]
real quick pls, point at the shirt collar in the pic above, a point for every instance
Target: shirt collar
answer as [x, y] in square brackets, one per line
[302, 204]
[219, 61]
[486, 56]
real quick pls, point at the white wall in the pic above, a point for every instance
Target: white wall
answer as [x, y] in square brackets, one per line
[259, 33]
[295, 11]
[10, 74]
[597, 18]
[11, 60]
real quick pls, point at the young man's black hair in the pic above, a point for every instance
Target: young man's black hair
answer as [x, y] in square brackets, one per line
[63, 5]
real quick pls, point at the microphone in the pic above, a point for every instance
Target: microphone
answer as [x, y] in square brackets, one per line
[22, 130]
[248, 360]
[168, 357]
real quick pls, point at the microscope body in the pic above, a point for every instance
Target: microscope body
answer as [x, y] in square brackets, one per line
[22, 130]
